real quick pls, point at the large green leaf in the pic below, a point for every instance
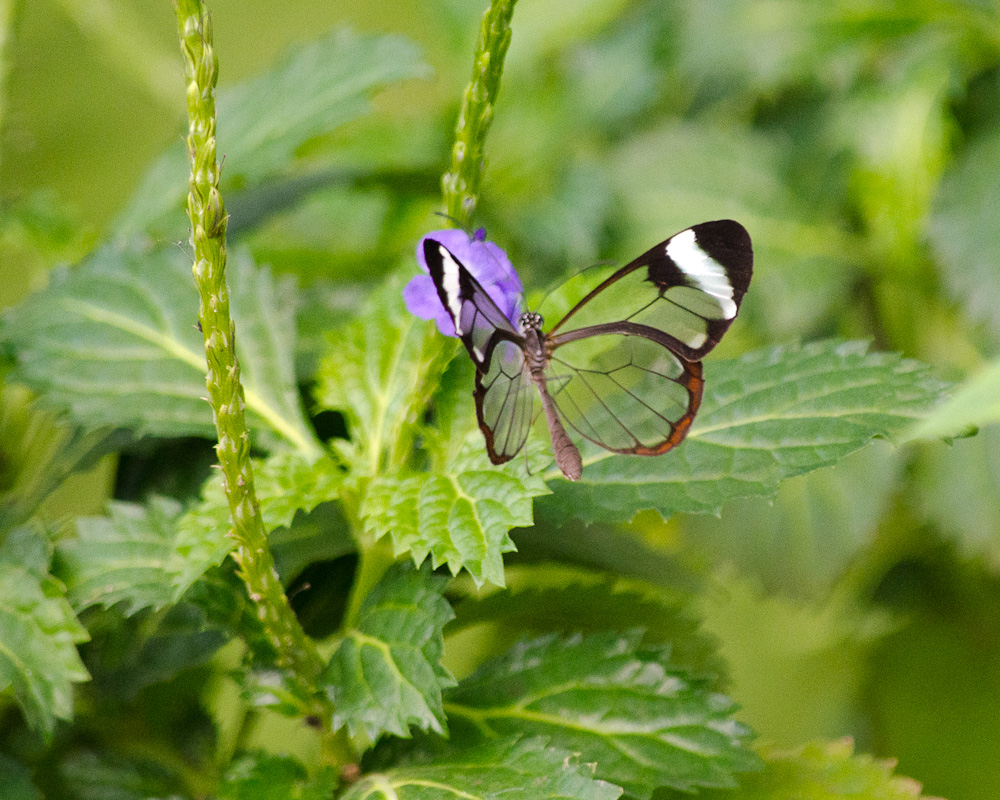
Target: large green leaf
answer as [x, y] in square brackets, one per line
[767, 416]
[116, 341]
[617, 703]
[38, 633]
[148, 556]
[386, 674]
[527, 769]
[265, 121]
[128, 556]
[460, 514]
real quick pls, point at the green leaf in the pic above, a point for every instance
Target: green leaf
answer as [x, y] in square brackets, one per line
[148, 556]
[460, 514]
[38, 632]
[822, 771]
[380, 371]
[513, 614]
[972, 403]
[115, 340]
[128, 556]
[618, 704]
[39, 452]
[263, 776]
[527, 769]
[767, 416]
[265, 121]
[963, 230]
[386, 674]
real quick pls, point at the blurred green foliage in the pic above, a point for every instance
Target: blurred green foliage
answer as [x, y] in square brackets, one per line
[858, 141]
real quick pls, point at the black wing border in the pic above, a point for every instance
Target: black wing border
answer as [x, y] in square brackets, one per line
[725, 241]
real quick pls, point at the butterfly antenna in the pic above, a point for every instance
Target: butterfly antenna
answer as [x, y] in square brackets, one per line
[450, 218]
[479, 234]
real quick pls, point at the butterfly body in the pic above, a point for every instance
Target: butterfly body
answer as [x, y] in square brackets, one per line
[622, 368]
[537, 357]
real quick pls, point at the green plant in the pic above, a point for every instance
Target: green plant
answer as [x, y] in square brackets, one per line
[331, 611]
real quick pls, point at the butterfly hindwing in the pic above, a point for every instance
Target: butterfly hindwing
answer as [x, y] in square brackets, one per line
[475, 316]
[504, 401]
[504, 396]
[685, 292]
[626, 393]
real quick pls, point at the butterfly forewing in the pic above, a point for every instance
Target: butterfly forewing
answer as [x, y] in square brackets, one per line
[475, 316]
[687, 290]
[628, 394]
[503, 395]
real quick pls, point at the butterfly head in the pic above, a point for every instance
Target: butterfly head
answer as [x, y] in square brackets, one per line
[530, 321]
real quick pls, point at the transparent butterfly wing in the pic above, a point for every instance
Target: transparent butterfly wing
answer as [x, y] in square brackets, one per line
[504, 395]
[626, 393]
[504, 400]
[685, 292]
[624, 363]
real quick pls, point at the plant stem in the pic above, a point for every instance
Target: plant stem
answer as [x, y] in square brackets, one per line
[460, 183]
[296, 654]
[374, 560]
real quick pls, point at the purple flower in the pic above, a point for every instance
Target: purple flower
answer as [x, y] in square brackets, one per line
[485, 260]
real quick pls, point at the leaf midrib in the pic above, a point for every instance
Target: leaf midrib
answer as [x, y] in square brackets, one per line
[179, 351]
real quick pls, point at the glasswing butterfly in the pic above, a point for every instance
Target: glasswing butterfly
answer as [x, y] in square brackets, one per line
[623, 367]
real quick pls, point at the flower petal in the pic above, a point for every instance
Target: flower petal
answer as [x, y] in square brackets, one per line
[421, 298]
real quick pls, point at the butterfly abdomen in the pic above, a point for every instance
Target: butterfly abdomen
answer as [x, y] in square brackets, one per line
[536, 360]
